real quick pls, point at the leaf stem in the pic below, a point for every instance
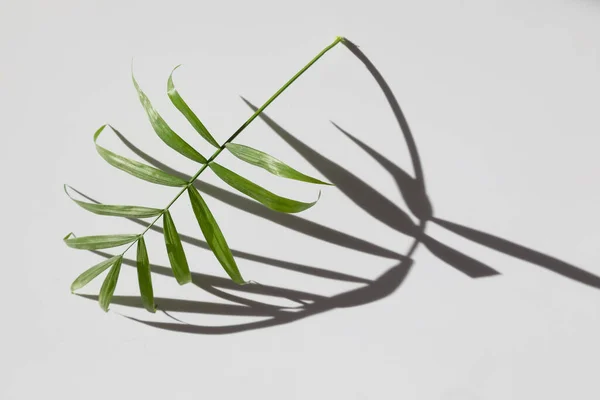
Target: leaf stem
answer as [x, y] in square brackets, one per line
[337, 40]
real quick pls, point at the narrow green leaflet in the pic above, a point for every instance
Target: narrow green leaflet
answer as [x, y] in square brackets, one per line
[144, 278]
[163, 130]
[179, 263]
[269, 163]
[109, 285]
[137, 169]
[98, 242]
[187, 112]
[263, 196]
[93, 272]
[213, 235]
[116, 211]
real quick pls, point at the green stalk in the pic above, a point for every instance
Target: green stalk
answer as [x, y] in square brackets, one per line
[237, 132]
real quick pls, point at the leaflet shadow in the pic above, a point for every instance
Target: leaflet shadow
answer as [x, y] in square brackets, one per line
[309, 304]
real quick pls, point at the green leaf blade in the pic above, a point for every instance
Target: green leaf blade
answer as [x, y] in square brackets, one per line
[263, 196]
[109, 285]
[269, 163]
[135, 168]
[98, 242]
[177, 258]
[213, 235]
[164, 132]
[187, 112]
[116, 210]
[87, 276]
[144, 276]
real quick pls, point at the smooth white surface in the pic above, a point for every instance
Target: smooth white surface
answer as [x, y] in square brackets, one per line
[503, 100]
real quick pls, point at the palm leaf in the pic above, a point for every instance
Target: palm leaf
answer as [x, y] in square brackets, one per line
[135, 168]
[269, 163]
[109, 285]
[93, 272]
[177, 257]
[213, 235]
[187, 112]
[144, 276]
[116, 211]
[98, 242]
[164, 132]
[263, 196]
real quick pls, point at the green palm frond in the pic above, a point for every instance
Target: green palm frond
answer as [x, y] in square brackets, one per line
[207, 222]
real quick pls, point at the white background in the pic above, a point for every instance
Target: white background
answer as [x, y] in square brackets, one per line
[502, 98]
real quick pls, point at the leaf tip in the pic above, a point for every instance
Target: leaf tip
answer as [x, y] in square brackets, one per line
[66, 188]
[99, 131]
[74, 287]
[184, 281]
[135, 83]
[320, 182]
[170, 85]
